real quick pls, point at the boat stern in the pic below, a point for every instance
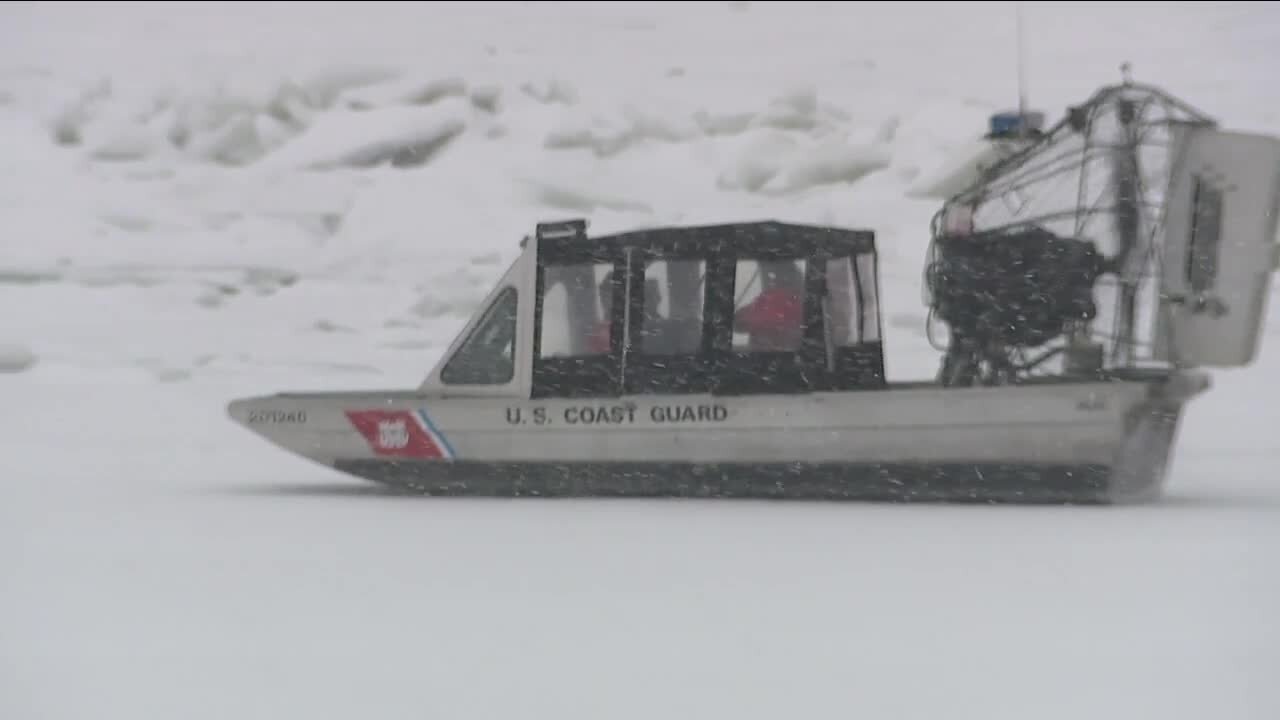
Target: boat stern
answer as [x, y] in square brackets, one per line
[1142, 463]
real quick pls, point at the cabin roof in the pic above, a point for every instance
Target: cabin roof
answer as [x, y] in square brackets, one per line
[765, 232]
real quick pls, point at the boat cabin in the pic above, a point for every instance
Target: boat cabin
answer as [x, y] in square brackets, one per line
[736, 309]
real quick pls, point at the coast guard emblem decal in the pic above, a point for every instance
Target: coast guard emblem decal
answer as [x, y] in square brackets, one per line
[401, 433]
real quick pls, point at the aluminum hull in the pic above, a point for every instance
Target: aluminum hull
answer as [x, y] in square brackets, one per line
[1062, 442]
[890, 482]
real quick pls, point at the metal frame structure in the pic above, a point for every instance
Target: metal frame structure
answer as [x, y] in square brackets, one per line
[1100, 174]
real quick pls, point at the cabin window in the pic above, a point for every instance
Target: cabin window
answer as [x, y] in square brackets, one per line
[769, 308]
[487, 356]
[576, 310]
[1206, 231]
[672, 320]
[851, 303]
[869, 295]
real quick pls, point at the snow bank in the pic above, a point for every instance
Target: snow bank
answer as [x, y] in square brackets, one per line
[229, 121]
[585, 202]
[776, 163]
[15, 358]
[400, 136]
[833, 162]
[617, 128]
[404, 91]
[960, 169]
[176, 115]
[340, 117]
[609, 138]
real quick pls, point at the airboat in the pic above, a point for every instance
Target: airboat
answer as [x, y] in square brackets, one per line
[1086, 284]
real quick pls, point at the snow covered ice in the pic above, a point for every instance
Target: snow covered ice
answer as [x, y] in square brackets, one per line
[206, 200]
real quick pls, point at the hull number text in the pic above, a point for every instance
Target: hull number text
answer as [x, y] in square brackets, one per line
[278, 417]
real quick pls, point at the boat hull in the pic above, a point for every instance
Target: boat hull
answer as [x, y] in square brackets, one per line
[1094, 442]
[893, 482]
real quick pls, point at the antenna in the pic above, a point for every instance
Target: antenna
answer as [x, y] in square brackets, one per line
[1023, 123]
[1022, 73]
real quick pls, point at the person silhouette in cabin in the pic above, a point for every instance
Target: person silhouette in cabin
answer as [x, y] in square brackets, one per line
[599, 337]
[656, 334]
[773, 320]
